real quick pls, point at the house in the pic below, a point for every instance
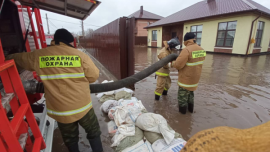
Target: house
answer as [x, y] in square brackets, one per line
[226, 26]
[143, 18]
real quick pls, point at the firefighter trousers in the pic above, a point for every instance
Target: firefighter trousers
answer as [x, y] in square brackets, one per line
[185, 97]
[70, 132]
[163, 83]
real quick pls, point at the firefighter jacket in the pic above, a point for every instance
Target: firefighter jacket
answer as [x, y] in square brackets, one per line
[189, 64]
[66, 73]
[164, 71]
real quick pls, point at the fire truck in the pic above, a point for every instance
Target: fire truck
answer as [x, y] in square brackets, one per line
[24, 124]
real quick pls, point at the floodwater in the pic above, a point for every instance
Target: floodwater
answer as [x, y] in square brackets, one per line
[233, 91]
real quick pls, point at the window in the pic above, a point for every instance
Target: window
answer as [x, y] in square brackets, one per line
[154, 35]
[174, 34]
[259, 34]
[197, 30]
[226, 33]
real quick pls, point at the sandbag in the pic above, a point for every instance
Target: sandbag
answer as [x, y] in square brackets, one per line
[130, 140]
[112, 128]
[140, 147]
[117, 138]
[175, 146]
[111, 113]
[107, 105]
[106, 98]
[127, 129]
[224, 139]
[100, 95]
[133, 102]
[126, 102]
[152, 136]
[123, 132]
[126, 115]
[125, 89]
[123, 95]
[155, 123]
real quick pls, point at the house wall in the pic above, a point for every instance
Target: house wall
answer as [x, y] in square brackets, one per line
[266, 36]
[159, 36]
[140, 25]
[210, 29]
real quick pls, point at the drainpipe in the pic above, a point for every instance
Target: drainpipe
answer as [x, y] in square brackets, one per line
[252, 24]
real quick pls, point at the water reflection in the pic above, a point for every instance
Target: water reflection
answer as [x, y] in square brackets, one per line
[233, 91]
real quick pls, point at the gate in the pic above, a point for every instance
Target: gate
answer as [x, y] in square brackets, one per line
[113, 46]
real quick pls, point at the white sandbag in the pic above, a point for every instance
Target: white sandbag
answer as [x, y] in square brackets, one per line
[140, 147]
[112, 128]
[126, 115]
[175, 146]
[107, 105]
[123, 102]
[155, 123]
[134, 102]
[125, 89]
[127, 129]
[111, 113]
[117, 138]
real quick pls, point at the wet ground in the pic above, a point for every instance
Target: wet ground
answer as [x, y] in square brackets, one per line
[233, 91]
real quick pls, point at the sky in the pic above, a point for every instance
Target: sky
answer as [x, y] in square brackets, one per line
[109, 10]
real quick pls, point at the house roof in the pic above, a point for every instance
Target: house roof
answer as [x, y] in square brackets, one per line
[215, 7]
[145, 15]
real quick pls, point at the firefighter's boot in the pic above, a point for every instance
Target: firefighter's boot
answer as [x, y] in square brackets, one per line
[183, 110]
[157, 97]
[190, 107]
[165, 93]
[96, 144]
[73, 148]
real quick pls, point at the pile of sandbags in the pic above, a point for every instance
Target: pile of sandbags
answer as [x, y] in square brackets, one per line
[132, 128]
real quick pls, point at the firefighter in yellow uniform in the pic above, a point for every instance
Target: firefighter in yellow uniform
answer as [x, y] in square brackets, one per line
[66, 73]
[189, 64]
[163, 74]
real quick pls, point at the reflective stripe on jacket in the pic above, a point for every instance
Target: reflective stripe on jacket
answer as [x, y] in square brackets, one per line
[66, 73]
[189, 64]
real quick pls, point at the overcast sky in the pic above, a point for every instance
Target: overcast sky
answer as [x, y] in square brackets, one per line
[110, 10]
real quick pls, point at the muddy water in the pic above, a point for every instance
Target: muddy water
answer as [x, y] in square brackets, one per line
[233, 91]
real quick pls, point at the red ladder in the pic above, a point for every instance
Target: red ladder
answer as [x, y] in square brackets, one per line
[20, 107]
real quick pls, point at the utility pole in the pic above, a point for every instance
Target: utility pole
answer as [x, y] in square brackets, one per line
[82, 29]
[48, 23]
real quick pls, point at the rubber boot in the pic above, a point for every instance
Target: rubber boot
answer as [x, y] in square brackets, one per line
[73, 148]
[190, 107]
[165, 93]
[157, 97]
[96, 144]
[183, 110]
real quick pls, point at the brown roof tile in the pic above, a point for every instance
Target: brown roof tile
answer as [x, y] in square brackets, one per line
[203, 9]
